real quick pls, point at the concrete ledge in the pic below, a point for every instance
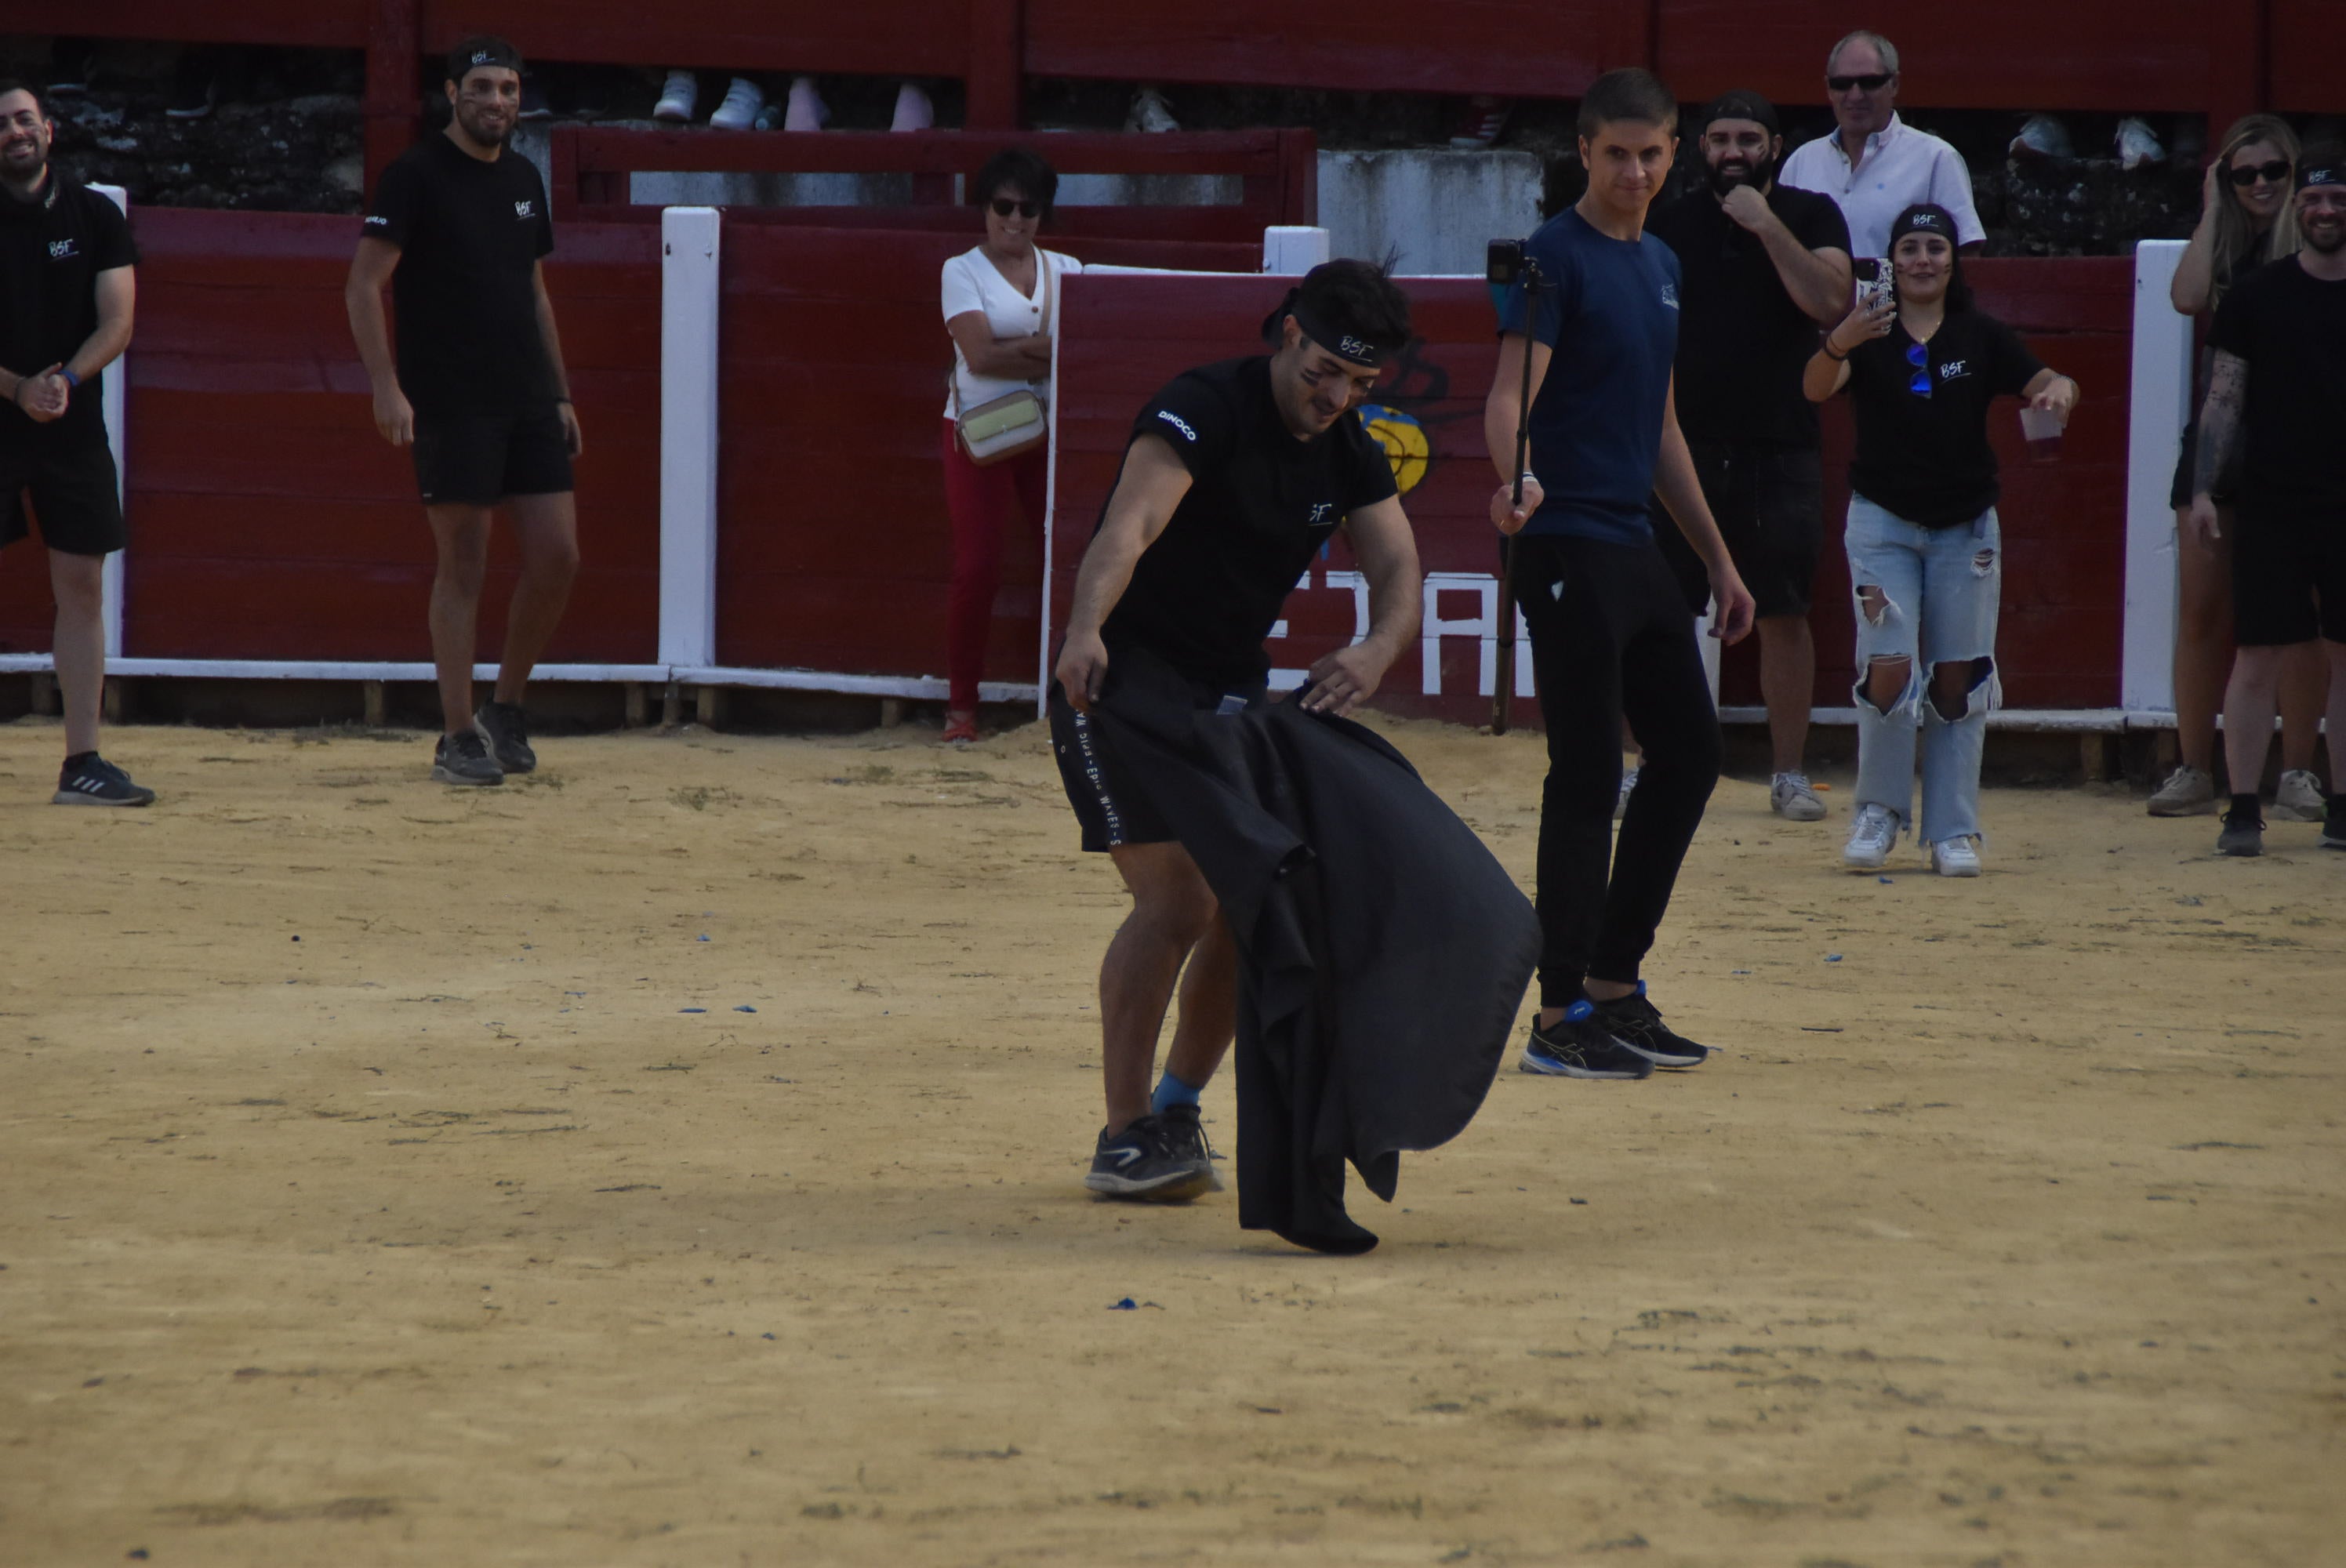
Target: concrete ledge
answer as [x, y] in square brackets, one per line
[2042, 720]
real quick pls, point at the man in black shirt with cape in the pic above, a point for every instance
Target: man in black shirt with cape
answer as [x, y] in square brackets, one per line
[1367, 950]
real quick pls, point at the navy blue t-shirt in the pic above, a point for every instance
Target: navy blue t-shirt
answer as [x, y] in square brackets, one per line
[1609, 310]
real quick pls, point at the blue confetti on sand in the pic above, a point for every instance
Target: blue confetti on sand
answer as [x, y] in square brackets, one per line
[1127, 1305]
[692, 1010]
[702, 937]
[1832, 958]
[745, 1007]
[1883, 881]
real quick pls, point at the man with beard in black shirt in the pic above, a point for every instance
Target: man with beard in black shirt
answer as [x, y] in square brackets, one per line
[2276, 408]
[1236, 475]
[1761, 266]
[65, 295]
[458, 229]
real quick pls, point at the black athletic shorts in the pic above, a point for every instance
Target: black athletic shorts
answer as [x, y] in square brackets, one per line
[478, 460]
[1110, 807]
[2289, 573]
[1768, 502]
[73, 493]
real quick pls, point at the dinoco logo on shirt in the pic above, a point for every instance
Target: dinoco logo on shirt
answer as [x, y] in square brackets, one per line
[1403, 440]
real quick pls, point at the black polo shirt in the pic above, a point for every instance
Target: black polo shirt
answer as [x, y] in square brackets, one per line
[2290, 329]
[469, 234]
[1743, 340]
[1259, 505]
[52, 250]
[1927, 459]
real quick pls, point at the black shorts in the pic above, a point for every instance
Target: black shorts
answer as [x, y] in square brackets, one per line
[478, 460]
[1768, 502]
[1111, 808]
[74, 495]
[2289, 573]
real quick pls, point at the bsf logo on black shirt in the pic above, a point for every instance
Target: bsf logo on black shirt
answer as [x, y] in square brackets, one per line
[60, 249]
[524, 209]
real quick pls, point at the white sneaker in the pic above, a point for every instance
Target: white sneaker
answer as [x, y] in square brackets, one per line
[1956, 857]
[740, 110]
[807, 111]
[914, 110]
[1869, 838]
[1792, 798]
[677, 97]
[2187, 792]
[1621, 801]
[2299, 798]
[1150, 113]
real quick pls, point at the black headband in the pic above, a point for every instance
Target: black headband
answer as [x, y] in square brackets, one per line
[1345, 346]
[1742, 105]
[1924, 218]
[2329, 171]
[474, 53]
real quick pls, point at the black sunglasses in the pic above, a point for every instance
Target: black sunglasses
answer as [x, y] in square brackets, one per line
[1871, 83]
[1004, 206]
[2245, 175]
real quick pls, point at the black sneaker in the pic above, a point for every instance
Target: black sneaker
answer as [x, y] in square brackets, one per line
[91, 779]
[2244, 829]
[2333, 822]
[1186, 1136]
[1580, 1045]
[464, 759]
[501, 725]
[1633, 1021]
[1145, 1162]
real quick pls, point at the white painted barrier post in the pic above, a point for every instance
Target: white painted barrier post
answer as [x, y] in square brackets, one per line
[688, 320]
[2161, 391]
[1291, 250]
[116, 401]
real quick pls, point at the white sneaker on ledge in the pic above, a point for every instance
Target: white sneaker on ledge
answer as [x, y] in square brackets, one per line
[914, 110]
[2300, 797]
[1869, 838]
[739, 112]
[1150, 113]
[678, 98]
[1956, 857]
[807, 111]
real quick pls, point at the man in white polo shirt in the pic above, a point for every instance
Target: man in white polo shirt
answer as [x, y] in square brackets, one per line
[1874, 164]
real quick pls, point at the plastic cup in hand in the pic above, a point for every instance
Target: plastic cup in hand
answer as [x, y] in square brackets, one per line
[2043, 427]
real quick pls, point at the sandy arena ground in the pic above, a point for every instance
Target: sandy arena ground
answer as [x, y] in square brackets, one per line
[675, 1158]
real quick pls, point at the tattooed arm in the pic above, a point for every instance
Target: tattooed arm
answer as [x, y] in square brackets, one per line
[2220, 441]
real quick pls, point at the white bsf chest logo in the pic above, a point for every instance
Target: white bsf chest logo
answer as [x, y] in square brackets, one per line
[524, 209]
[1319, 510]
[61, 250]
[1954, 368]
[1177, 423]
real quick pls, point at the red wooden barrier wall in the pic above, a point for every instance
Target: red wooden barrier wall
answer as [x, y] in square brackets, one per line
[2064, 525]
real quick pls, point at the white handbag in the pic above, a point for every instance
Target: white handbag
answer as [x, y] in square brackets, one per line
[1005, 427]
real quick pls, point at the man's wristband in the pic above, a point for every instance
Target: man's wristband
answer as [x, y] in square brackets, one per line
[1827, 349]
[71, 379]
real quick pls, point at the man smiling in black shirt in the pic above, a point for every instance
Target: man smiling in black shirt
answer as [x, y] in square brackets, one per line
[1237, 473]
[65, 297]
[458, 228]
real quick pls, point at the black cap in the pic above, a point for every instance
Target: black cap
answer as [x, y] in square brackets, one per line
[1924, 218]
[474, 53]
[1742, 104]
[2322, 165]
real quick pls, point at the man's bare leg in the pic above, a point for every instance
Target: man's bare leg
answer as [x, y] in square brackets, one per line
[461, 532]
[1209, 1007]
[1788, 681]
[1172, 910]
[546, 528]
[78, 585]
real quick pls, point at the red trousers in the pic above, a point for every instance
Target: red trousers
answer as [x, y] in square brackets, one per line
[981, 502]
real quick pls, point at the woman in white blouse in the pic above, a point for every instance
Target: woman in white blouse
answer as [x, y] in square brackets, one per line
[1001, 306]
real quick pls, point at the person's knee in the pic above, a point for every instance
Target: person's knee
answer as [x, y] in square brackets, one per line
[1176, 915]
[1954, 683]
[1887, 676]
[552, 560]
[78, 583]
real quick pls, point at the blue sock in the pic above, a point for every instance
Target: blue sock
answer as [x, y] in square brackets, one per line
[1171, 1091]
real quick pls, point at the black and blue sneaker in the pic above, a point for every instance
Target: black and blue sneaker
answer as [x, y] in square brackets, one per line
[503, 725]
[1185, 1134]
[1153, 1161]
[89, 780]
[1581, 1045]
[1633, 1021]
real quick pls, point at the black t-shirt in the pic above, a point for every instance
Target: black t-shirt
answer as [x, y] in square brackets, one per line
[469, 235]
[2290, 329]
[1926, 458]
[1207, 592]
[52, 250]
[1742, 341]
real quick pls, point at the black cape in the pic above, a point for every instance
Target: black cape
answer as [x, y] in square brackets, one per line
[1384, 951]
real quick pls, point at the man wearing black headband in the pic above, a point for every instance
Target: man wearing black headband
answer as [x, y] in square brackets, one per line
[1236, 474]
[458, 229]
[1761, 266]
[1611, 635]
[2275, 412]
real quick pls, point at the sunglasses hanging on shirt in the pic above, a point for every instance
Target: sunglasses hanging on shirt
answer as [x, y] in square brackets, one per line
[1004, 206]
[2247, 174]
[1919, 358]
[1874, 83]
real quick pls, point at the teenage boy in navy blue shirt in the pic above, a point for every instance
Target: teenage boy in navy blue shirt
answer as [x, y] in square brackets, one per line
[1611, 634]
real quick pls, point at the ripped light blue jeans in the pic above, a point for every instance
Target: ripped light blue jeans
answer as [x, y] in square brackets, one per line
[1936, 605]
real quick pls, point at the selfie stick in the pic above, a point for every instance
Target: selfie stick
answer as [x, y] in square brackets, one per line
[1503, 692]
